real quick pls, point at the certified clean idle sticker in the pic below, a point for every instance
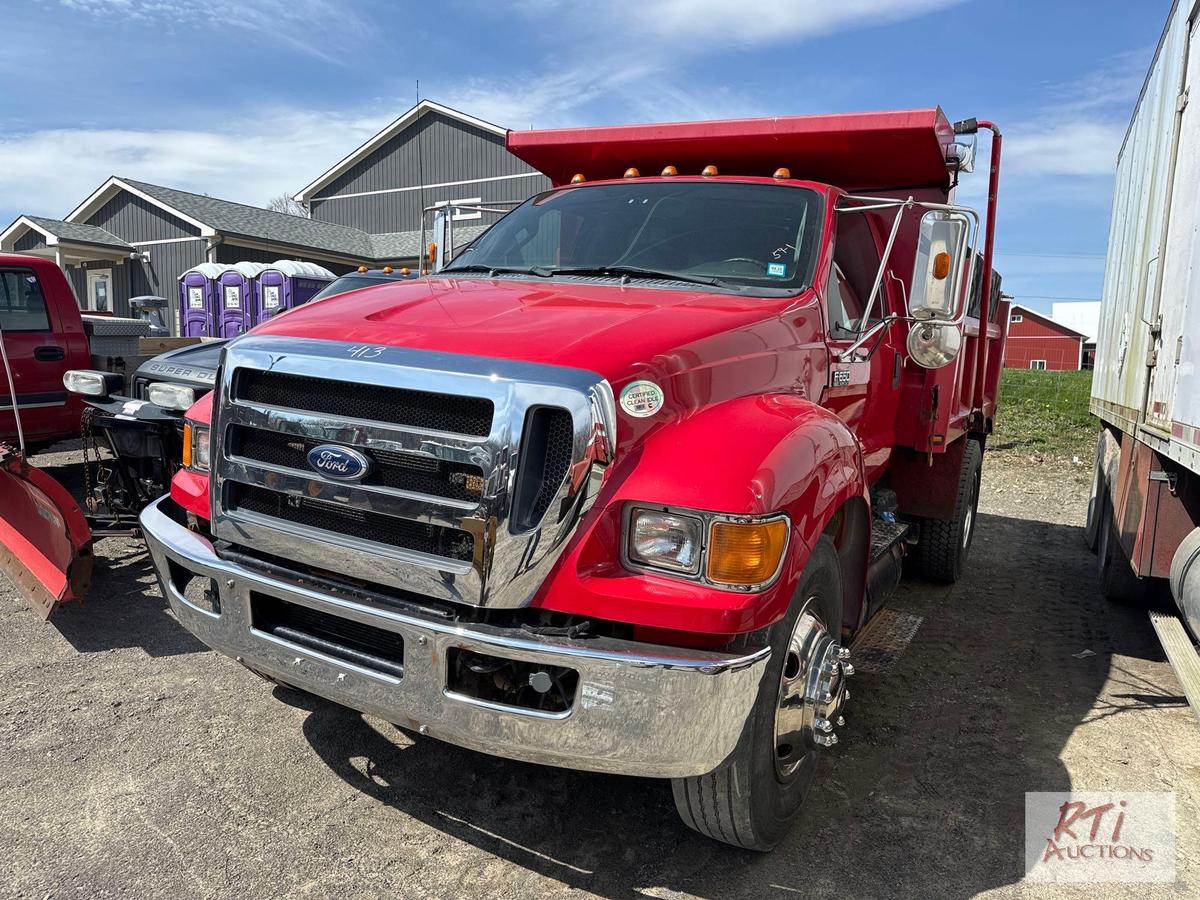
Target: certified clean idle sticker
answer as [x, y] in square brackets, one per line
[641, 399]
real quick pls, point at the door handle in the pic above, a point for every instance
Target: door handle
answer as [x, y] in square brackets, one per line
[49, 354]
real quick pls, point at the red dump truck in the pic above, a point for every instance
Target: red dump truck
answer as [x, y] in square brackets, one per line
[616, 488]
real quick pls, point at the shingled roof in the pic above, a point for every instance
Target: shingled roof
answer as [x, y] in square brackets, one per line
[263, 224]
[75, 232]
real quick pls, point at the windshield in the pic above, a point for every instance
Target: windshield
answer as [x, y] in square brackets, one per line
[723, 233]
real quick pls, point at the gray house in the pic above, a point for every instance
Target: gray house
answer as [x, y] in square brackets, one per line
[432, 155]
[130, 238]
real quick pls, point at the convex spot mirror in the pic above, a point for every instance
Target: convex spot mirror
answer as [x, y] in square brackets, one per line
[932, 345]
[938, 269]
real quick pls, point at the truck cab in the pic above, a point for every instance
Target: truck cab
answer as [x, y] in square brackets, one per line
[617, 487]
[43, 338]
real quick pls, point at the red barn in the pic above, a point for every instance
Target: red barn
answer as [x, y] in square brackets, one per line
[1036, 341]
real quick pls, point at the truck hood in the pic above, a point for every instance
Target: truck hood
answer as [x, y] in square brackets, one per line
[609, 329]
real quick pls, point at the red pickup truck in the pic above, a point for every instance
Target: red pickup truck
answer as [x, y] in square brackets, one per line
[43, 337]
[617, 487]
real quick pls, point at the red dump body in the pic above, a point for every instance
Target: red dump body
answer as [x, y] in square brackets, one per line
[855, 152]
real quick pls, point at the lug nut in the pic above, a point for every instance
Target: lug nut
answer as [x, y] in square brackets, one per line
[845, 695]
[843, 653]
[823, 725]
[828, 698]
[847, 669]
[841, 721]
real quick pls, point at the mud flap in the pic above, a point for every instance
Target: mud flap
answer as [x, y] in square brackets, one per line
[45, 542]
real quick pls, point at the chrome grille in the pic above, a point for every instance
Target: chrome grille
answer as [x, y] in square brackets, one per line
[481, 468]
[421, 409]
[435, 540]
[402, 471]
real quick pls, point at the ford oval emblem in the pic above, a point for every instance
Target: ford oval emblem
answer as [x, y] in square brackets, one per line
[337, 462]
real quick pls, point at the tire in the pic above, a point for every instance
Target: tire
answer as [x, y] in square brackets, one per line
[1118, 582]
[746, 802]
[942, 551]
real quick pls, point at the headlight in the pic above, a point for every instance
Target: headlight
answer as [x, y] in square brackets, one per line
[171, 396]
[742, 553]
[666, 540]
[91, 383]
[196, 446]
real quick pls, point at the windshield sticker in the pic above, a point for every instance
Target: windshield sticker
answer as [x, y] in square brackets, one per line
[641, 399]
[777, 270]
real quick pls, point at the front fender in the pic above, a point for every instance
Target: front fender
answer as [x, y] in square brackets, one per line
[748, 456]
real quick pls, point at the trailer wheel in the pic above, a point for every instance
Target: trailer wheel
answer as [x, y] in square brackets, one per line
[1118, 582]
[752, 799]
[942, 551]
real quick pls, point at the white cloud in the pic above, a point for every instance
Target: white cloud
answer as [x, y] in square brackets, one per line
[49, 172]
[766, 21]
[693, 25]
[300, 24]
[634, 66]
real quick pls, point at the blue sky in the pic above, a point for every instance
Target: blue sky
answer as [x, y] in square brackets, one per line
[248, 99]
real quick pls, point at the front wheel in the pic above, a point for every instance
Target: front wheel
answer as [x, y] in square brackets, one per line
[752, 799]
[944, 545]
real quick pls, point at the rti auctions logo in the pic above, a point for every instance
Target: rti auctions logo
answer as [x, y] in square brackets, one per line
[1100, 837]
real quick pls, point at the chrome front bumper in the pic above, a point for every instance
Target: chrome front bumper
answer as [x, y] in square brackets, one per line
[640, 709]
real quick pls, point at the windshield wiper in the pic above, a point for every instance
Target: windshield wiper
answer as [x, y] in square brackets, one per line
[539, 271]
[638, 272]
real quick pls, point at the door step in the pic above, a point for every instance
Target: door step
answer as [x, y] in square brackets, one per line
[1181, 653]
[877, 648]
[886, 535]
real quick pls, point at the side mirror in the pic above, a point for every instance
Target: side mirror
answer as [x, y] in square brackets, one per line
[937, 293]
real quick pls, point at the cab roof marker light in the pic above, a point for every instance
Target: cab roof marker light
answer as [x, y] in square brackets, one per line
[782, 172]
[668, 171]
[709, 171]
[578, 178]
[632, 172]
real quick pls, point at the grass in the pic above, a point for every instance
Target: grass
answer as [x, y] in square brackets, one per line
[1045, 412]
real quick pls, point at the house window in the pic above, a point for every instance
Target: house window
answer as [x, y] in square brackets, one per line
[22, 306]
[1015, 317]
[1039, 364]
[463, 214]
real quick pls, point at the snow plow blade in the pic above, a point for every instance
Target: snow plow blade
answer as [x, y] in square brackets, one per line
[45, 542]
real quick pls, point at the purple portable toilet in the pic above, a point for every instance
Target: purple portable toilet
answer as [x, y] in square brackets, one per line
[198, 300]
[287, 283]
[235, 298]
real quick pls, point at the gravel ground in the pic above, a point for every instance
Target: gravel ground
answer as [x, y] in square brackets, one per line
[138, 763]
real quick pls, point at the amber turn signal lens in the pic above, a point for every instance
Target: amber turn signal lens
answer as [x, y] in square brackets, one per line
[187, 445]
[941, 265]
[746, 553]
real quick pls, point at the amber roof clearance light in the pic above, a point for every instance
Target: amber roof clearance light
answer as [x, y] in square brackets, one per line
[668, 171]
[782, 172]
[708, 171]
[631, 172]
[578, 178]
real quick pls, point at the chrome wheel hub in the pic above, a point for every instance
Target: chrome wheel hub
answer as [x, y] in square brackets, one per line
[812, 692]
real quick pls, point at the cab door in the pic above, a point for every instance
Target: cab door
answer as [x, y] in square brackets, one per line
[864, 393]
[38, 356]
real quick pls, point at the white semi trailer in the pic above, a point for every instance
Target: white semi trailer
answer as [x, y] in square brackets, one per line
[1144, 515]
